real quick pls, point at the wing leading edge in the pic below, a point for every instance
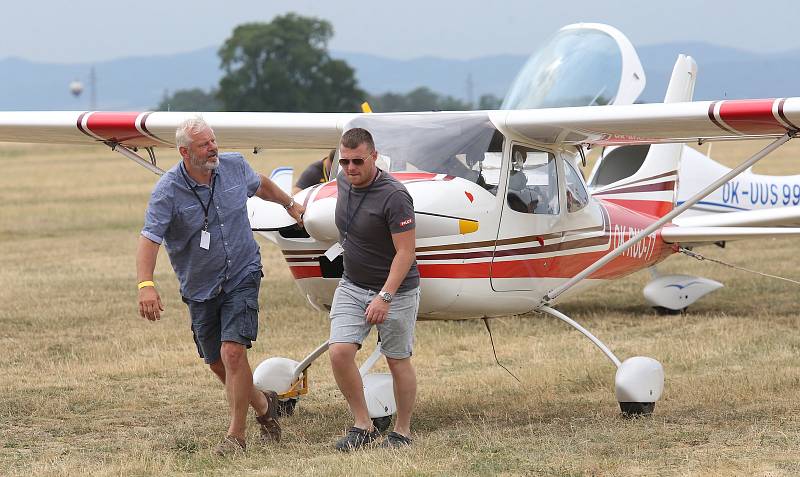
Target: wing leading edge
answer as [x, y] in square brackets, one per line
[656, 123]
[602, 125]
[157, 129]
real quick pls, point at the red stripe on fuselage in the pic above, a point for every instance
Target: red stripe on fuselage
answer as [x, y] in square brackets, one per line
[567, 266]
[652, 208]
[657, 187]
[307, 271]
[751, 116]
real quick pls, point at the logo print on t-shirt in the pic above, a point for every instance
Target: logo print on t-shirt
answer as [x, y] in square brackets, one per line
[406, 222]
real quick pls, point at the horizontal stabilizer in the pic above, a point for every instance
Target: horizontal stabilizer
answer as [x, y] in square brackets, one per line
[685, 235]
[778, 217]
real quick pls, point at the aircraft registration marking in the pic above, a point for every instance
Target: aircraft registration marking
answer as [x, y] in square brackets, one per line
[642, 250]
[763, 193]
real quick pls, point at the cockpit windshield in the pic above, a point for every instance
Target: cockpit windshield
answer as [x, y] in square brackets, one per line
[576, 67]
[460, 145]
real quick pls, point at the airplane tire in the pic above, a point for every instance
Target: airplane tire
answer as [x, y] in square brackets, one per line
[636, 409]
[662, 311]
[382, 423]
[286, 408]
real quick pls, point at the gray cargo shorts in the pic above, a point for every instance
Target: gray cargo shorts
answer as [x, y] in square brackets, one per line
[349, 322]
[231, 316]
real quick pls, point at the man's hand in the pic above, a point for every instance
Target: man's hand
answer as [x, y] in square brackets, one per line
[377, 311]
[150, 306]
[296, 211]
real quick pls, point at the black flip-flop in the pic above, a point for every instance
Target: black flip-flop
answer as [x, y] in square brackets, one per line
[395, 441]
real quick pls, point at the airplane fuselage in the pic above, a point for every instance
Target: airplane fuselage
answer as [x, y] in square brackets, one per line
[501, 268]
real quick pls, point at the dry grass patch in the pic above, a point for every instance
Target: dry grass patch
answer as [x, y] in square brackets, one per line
[91, 389]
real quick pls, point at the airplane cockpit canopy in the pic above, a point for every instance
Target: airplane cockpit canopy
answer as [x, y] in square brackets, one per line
[460, 145]
[581, 65]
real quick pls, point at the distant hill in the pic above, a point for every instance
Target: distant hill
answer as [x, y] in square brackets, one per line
[722, 73]
[138, 83]
[132, 83]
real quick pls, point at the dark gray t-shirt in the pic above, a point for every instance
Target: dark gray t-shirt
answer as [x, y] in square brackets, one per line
[369, 216]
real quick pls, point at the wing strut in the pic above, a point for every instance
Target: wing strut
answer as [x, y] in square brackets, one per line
[556, 292]
[149, 165]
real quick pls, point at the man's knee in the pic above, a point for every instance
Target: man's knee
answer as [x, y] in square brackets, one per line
[233, 354]
[342, 354]
[399, 365]
[218, 368]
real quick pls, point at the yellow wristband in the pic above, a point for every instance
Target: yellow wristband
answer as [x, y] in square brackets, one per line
[147, 283]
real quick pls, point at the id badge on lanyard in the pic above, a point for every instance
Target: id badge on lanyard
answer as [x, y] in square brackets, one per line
[205, 236]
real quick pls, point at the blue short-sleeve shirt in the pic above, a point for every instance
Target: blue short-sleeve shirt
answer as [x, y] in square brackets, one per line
[175, 218]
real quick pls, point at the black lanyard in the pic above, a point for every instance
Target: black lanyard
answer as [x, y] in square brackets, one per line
[351, 217]
[210, 198]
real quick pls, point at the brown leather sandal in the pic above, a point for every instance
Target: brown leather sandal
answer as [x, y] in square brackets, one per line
[270, 429]
[229, 446]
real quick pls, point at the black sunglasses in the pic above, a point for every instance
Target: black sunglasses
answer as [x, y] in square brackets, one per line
[356, 162]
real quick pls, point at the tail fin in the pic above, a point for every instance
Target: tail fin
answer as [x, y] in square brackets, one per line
[653, 189]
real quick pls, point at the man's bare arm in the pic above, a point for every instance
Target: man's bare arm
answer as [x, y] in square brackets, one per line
[405, 252]
[405, 247]
[150, 306]
[268, 190]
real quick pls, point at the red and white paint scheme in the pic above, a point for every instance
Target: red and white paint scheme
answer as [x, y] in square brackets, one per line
[505, 223]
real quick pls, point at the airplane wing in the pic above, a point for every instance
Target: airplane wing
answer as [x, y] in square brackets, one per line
[698, 235]
[599, 125]
[157, 129]
[778, 217]
[657, 123]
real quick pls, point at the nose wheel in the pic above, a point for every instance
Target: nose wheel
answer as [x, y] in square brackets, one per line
[636, 409]
[382, 423]
[286, 408]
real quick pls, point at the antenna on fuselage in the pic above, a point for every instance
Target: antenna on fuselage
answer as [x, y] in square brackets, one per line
[491, 339]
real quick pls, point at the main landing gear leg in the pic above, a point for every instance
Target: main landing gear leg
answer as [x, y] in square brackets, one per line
[639, 380]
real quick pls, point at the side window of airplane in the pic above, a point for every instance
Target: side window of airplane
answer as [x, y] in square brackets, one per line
[533, 182]
[577, 197]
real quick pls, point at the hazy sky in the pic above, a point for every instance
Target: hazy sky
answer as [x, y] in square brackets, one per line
[91, 30]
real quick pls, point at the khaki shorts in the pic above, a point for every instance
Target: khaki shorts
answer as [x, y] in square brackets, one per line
[349, 323]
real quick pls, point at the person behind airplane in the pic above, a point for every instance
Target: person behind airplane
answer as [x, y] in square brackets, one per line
[198, 210]
[318, 172]
[380, 286]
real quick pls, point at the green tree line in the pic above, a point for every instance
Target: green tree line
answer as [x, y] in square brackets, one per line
[284, 65]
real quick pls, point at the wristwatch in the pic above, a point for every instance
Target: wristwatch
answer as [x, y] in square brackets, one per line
[290, 204]
[385, 296]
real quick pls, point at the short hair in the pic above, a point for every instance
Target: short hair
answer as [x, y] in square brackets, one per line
[352, 138]
[187, 128]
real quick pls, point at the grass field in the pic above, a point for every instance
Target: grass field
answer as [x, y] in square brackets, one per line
[88, 387]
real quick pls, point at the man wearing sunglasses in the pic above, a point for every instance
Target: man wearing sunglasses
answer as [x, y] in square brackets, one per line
[379, 287]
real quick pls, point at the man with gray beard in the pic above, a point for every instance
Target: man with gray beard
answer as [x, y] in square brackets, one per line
[198, 209]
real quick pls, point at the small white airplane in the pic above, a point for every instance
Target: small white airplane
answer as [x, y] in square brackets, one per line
[505, 222]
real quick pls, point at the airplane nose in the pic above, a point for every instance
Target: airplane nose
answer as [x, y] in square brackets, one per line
[319, 220]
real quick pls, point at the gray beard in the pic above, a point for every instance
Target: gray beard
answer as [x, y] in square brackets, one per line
[203, 164]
